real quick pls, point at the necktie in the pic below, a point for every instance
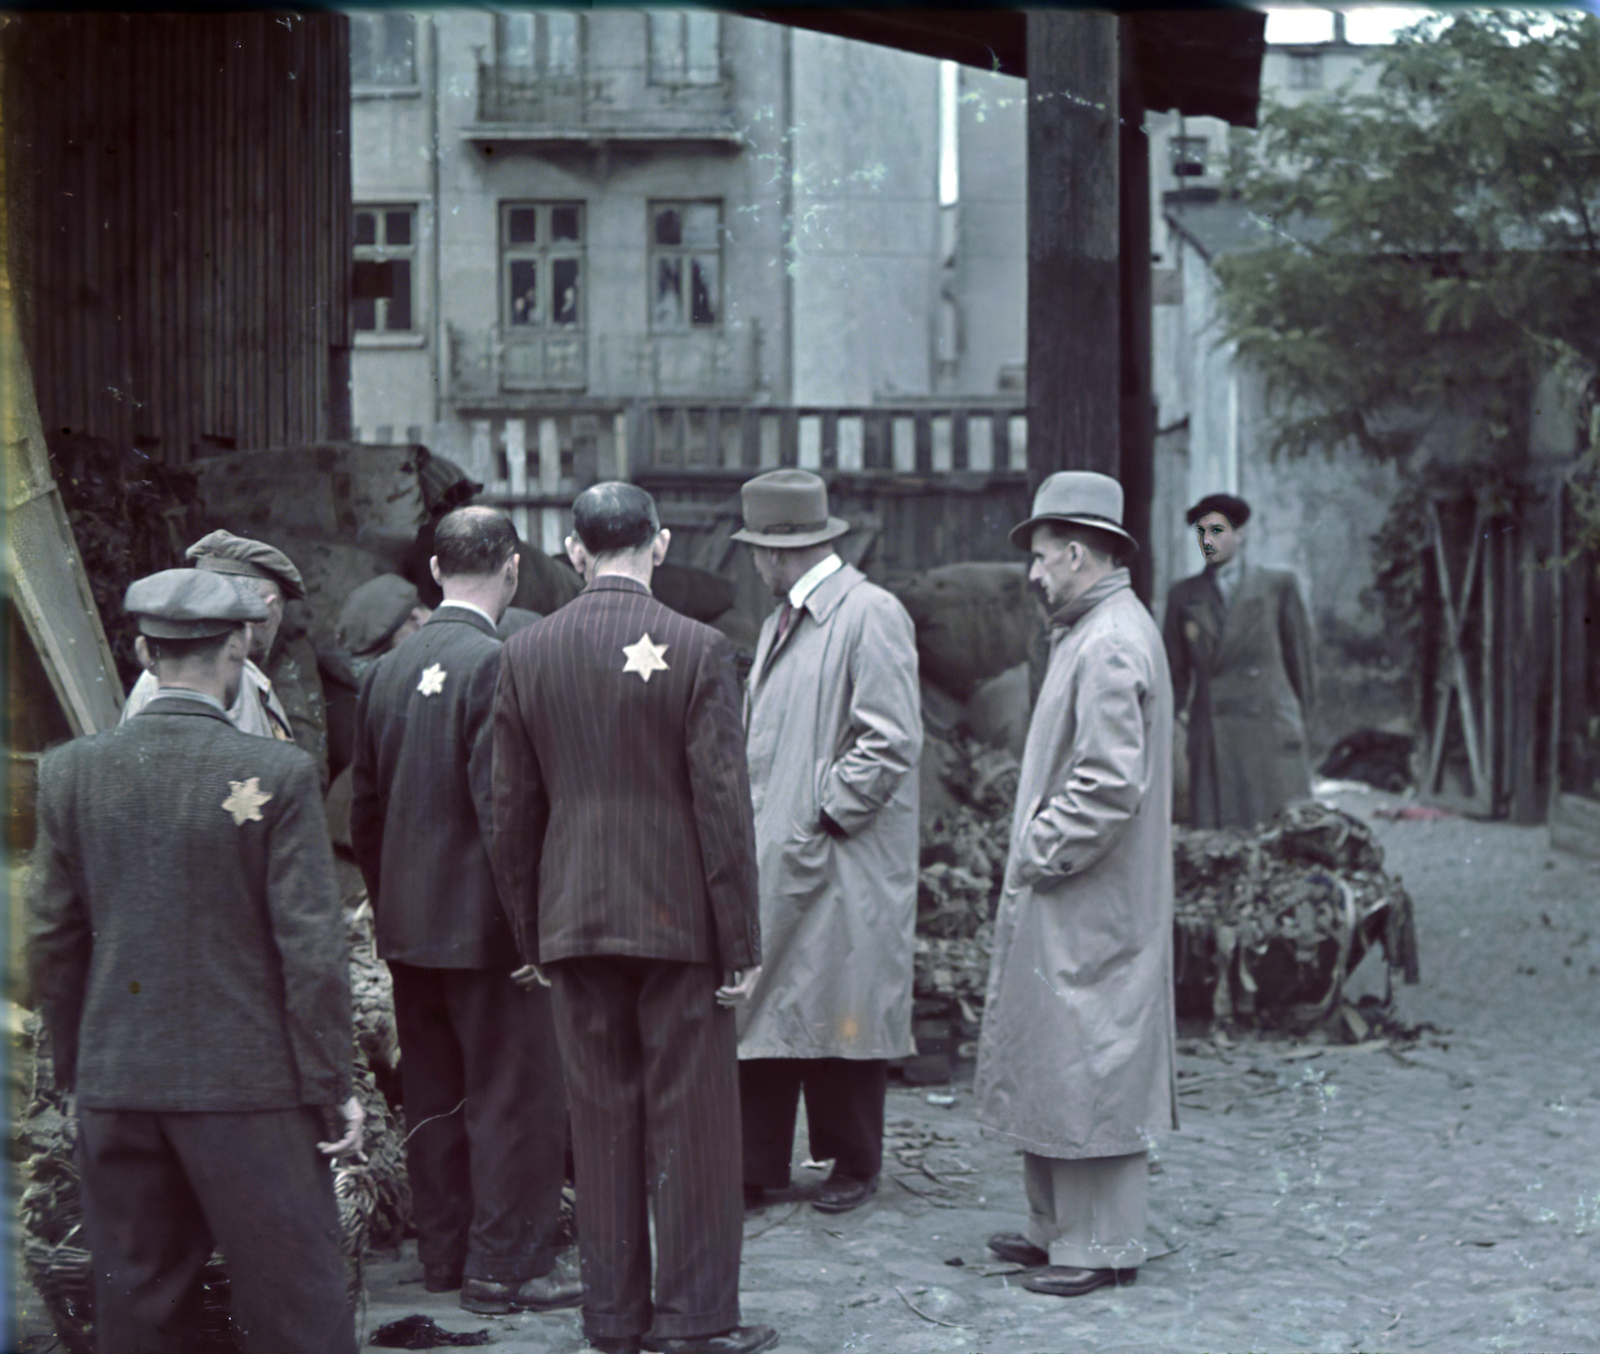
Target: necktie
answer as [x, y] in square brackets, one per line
[785, 620]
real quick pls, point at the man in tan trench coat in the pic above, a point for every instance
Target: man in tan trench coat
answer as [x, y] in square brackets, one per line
[833, 732]
[1075, 1063]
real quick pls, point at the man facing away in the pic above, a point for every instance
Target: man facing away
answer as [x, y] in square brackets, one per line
[624, 846]
[1075, 1061]
[480, 1072]
[834, 731]
[1239, 646]
[188, 954]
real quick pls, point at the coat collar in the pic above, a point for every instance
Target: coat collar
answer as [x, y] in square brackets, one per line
[826, 596]
[617, 583]
[181, 705]
[443, 614]
[1074, 611]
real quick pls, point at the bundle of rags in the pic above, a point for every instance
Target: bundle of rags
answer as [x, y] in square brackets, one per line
[373, 1196]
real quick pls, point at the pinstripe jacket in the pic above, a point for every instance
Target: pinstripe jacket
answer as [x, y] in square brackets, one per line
[622, 816]
[419, 804]
[187, 946]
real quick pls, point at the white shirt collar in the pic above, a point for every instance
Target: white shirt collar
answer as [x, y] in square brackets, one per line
[807, 583]
[468, 606]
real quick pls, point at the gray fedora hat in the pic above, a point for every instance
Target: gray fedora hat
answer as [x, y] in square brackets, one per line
[787, 509]
[1084, 497]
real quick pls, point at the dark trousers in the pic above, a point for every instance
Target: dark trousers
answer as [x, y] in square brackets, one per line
[161, 1189]
[486, 1116]
[651, 1062]
[844, 1115]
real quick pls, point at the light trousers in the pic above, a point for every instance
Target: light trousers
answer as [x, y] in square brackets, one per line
[1088, 1213]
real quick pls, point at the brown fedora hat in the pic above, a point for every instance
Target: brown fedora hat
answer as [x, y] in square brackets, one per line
[787, 509]
[1081, 496]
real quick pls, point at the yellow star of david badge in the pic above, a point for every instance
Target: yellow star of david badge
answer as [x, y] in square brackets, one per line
[644, 657]
[432, 682]
[246, 800]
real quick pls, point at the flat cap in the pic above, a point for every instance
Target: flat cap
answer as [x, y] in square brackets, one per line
[373, 612]
[191, 604]
[221, 552]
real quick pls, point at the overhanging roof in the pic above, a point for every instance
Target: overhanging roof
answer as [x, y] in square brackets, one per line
[1202, 63]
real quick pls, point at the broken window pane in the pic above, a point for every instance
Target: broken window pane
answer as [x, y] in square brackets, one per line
[667, 312]
[565, 223]
[704, 292]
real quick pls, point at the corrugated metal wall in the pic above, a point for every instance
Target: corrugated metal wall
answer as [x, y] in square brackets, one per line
[179, 190]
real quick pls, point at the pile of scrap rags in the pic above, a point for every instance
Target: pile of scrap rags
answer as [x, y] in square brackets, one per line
[373, 1196]
[1270, 923]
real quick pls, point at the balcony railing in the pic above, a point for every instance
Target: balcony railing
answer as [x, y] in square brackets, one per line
[722, 364]
[519, 105]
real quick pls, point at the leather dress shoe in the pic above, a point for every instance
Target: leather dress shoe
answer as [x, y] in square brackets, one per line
[841, 1193]
[614, 1344]
[543, 1294]
[441, 1278]
[1067, 1281]
[739, 1340]
[1016, 1248]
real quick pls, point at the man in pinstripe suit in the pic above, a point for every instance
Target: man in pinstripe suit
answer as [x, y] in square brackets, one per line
[625, 848]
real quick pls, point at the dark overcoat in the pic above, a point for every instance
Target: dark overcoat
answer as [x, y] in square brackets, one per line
[420, 814]
[1245, 674]
[187, 943]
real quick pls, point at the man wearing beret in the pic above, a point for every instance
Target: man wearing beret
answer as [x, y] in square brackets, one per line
[1240, 645]
[480, 1070]
[1075, 1061]
[187, 951]
[281, 696]
[833, 732]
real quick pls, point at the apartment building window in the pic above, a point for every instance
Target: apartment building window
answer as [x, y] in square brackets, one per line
[385, 255]
[383, 49]
[685, 47]
[685, 265]
[537, 43]
[1305, 70]
[542, 262]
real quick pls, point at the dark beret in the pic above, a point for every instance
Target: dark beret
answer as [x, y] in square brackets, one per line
[1236, 510]
[191, 604]
[221, 552]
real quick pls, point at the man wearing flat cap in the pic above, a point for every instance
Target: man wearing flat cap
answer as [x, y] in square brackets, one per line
[1240, 647]
[834, 733]
[187, 950]
[1075, 1061]
[281, 696]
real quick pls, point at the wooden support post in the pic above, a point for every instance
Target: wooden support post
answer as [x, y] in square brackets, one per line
[1074, 377]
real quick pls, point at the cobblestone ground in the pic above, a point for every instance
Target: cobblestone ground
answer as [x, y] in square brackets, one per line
[1441, 1195]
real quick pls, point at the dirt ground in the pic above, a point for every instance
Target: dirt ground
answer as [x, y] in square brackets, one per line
[1436, 1194]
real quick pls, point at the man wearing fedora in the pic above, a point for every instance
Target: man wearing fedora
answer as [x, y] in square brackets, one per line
[1075, 1062]
[834, 732]
[1240, 644]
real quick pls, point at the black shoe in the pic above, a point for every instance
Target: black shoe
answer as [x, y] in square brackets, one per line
[1016, 1248]
[441, 1278]
[544, 1294]
[614, 1344]
[739, 1340]
[841, 1193]
[1067, 1281]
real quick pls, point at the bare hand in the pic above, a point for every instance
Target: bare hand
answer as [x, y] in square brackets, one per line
[351, 1142]
[738, 985]
[530, 976]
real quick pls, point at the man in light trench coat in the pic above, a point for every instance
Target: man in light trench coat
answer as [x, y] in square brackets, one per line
[833, 731]
[1075, 1062]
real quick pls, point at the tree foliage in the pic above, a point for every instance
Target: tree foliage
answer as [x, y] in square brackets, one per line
[1435, 237]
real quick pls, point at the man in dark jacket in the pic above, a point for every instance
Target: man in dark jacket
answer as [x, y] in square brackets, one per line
[480, 1071]
[625, 848]
[1239, 646]
[188, 953]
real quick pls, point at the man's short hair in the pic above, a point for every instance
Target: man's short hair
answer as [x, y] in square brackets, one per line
[1107, 544]
[182, 650]
[473, 542]
[612, 516]
[1236, 510]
